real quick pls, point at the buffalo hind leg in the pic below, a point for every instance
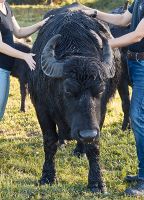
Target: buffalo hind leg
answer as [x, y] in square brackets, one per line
[125, 98]
[95, 181]
[50, 140]
[79, 150]
[23, 89]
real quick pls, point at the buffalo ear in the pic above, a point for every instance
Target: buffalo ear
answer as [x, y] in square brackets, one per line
[108, 65]
[50, 65]
[106, 73]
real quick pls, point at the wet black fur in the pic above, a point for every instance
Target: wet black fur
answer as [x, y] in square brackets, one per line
[78, 100]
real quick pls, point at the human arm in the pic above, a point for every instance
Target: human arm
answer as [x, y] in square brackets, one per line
[116, 19]
[130, 38]
[123, 19]
[21, 32]
[8, 50]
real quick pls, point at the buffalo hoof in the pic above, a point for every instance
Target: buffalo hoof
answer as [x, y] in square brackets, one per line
[79, 151]
[126, 126]
[98, 189]
[22, 110]
[62, 144]
[78, 154]
[95, 190]
[44, 181]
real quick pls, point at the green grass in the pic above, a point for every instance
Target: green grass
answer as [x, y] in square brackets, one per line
[21, 151]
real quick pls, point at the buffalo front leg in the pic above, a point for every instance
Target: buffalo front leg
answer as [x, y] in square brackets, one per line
[50, 139]
[50, 148]
[95, 181]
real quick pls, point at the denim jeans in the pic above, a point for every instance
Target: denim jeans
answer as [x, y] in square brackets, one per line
[136, 73]
[4, 90]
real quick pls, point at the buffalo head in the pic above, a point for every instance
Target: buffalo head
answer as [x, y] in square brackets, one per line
[84, 81]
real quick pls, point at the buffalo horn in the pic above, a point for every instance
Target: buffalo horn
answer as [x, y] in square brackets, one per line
[50, 65]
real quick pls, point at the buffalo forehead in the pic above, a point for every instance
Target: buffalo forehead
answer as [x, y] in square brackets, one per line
[82, 68]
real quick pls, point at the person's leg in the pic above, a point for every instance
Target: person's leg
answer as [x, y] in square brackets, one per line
[137, 121]
[4, 90]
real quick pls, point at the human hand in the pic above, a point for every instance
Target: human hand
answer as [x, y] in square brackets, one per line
[41, 23]
[28, 57]
[90, 12]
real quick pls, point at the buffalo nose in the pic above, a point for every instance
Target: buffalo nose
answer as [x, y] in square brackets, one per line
[89, 135]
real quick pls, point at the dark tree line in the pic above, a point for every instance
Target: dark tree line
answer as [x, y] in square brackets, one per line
[32, 2]
[99, 3]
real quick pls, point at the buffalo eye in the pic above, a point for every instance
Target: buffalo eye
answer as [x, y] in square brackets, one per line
[71, 88]
[98, 90]
[68, 93]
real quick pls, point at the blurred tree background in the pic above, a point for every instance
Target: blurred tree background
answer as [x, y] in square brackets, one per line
[100, 4]
[34, 2]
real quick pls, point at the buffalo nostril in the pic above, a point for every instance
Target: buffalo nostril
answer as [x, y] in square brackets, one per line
[89, 135]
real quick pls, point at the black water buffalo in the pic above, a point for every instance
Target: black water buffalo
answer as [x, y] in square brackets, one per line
[76, 75]
[123, 90]
[20, 71]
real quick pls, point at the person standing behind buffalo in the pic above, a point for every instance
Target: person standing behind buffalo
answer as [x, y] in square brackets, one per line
[135, 40]
[8, 27]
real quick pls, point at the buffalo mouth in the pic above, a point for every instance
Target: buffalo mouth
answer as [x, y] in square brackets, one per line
[88, 136]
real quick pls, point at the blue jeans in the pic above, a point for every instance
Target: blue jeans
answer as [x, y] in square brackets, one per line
[136, 73]
[4, 90]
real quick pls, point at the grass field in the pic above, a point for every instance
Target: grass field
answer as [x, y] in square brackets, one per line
[21, 151]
